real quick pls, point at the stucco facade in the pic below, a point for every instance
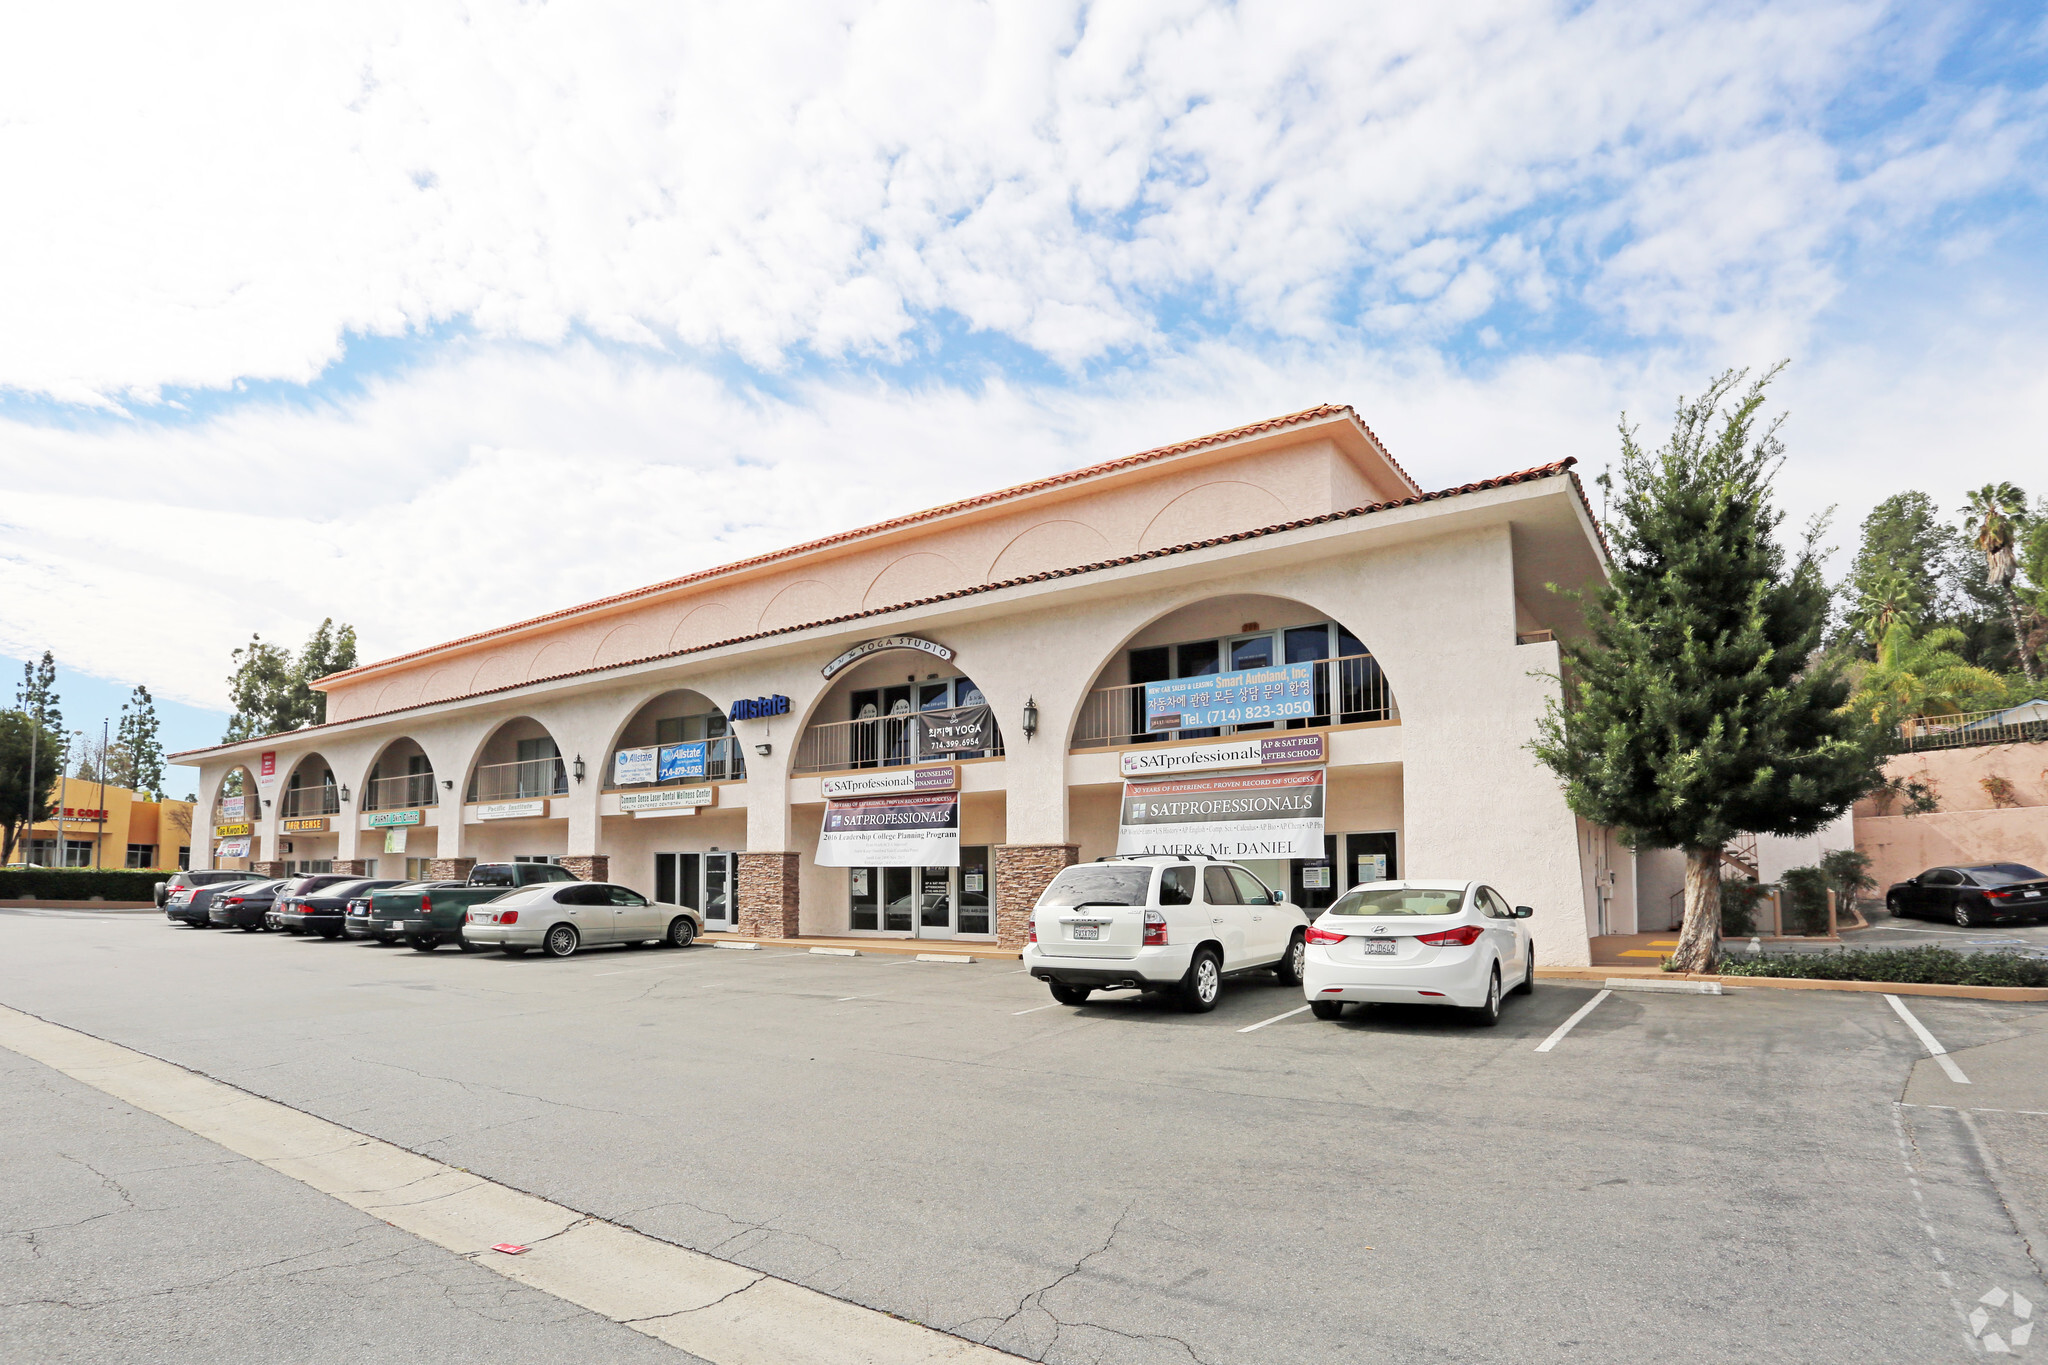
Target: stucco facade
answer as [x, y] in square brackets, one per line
[1969, 825]
[1044, 596]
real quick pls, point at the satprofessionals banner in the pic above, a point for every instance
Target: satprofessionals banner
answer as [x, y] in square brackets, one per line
[1247, 697]
[1258, 815]
[892, 831]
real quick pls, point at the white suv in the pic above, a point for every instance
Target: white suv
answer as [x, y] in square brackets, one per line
[1166, 922]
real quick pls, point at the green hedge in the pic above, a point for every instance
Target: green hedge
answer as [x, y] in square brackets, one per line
[78, 884]
[1927, 966]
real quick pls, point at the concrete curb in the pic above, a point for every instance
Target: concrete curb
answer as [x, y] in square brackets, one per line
[1606, 975]
[837, 952]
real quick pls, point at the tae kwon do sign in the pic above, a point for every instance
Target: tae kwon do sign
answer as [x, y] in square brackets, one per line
[1255, 815]
[1263, 752]
[892, 831]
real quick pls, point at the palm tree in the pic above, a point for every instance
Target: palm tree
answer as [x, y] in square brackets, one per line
[1995, 513]
[1922, 676]
[1887, 602]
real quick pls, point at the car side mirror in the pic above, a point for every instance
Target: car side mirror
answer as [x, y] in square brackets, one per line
[1524, 911]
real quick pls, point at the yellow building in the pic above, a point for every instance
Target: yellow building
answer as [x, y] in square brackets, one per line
[111, 827]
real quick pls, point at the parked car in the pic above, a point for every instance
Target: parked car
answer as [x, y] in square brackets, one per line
[191, 905]
[1419, 943]
[185, 881]
[295, 887]
[1171, 923]
[434, 916]
[559, 919]
[362, 919]
[243, 907]
[322, 910]
[1982, 893]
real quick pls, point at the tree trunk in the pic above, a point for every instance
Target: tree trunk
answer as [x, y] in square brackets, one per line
[1699, 939]
[2019, 636]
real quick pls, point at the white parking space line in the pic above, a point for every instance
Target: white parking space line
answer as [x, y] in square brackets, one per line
[1274, 1020]
[1033, 1010]
[1557, 1034]
[1929, 1041]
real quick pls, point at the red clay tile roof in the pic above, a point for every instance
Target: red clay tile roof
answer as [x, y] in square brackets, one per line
[1314, 414]
[1503, 481]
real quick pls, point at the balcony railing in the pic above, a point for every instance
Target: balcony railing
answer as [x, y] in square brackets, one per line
[1348, 691]
[724, 761]
[300, 802]
[877, 742]
[398, 793]
[2006, 725]
[519, 781]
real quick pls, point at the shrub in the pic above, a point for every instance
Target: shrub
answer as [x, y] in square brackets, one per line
[1806, 900]
[2001, 792]
[78, 884]
[1931, 966]
[1738, 907]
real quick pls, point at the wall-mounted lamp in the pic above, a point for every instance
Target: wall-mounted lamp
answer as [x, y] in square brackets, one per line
[577, 767]
[764, 749]
[447, 784]
[1030, 717]
[266, 802]
[344, 793]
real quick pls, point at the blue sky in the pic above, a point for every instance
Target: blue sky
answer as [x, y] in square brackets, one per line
[427, 317]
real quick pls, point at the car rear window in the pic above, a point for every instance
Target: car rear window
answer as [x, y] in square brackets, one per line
[1413, 900]
[499, 875]
[1101, 884]
[2004, 874]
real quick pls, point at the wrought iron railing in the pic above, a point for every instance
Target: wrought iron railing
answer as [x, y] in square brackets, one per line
[1348, 691]
[724, 761]
[397, 793]
[877, 742]
[1970, 728]
[519, 781]
[304, 801]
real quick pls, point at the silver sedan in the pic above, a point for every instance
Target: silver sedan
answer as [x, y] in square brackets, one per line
[560, 917]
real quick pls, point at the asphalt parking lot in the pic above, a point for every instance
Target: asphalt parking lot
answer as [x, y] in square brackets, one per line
[1760, 1176]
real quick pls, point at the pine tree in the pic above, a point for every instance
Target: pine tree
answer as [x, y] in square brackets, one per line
[140, 754]
[1696, 708]
[37, 696]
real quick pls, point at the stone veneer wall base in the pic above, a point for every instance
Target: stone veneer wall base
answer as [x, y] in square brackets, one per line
[266, 869]
[768, 895]
[588, 867]
[450, 869]
[1022, 871]
[351, 867]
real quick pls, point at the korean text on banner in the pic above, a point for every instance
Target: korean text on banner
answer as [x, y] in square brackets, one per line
[1258, 815]
[962, 730]
[631, 767]
[683, 762]
[1283, 692]
[892, 831]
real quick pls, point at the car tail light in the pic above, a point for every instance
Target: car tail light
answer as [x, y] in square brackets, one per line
[508, 917]
[1464, 936]
[234, 900]
[1316, 935]
[1031, 930]
[1155, 929]
[1997, 895]
[426, 905]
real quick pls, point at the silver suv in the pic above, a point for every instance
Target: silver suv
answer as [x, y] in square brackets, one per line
[1173, 923]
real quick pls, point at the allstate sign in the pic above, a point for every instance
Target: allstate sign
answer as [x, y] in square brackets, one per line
[759, 708]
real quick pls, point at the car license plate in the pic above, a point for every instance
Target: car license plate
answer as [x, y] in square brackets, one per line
[1376, 946]
[1087, 931]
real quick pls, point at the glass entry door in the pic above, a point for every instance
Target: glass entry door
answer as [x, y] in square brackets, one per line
[702, 881]
[926, 902]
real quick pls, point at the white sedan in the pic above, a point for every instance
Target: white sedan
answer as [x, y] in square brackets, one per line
[560, 917]
[1419, 943]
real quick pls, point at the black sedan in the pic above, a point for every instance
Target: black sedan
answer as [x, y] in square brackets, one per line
[293, 888]
[243, 907]
[322, 911]
[190, 905]
[1984, 893]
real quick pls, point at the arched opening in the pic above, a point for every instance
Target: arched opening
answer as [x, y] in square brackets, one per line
[311, 790]
[675, 739]
[519, 762]
[1315, 673]
[401, 778]
[310, 808]
[897, 708]
[232, 819]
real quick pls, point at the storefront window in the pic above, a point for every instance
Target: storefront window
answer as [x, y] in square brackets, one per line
[933, 902]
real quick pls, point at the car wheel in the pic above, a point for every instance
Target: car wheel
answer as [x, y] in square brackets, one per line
[1528, 986]
[423, 943]
[1488, 1014]
[252, 928]
[1893, 908]
[466, 946]
[1963, 916]
[1070, 995]
[561, 940]
[1202, 985]
[1293, 961]
[512, 950]
[1326, 1009]
[682, 932]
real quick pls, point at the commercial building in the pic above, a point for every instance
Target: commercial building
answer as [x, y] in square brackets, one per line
[1270, 642]
[109, 827]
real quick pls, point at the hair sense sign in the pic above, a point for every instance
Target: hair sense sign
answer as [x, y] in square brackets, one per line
[1253, 815]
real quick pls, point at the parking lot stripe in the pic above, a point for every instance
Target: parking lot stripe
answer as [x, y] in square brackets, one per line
[1930, 1042]
[1033, 1010]
[1557, 1034]
[717, 1310]
[1274, 1020]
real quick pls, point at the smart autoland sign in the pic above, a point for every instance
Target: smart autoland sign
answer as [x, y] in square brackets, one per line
[1255, 815]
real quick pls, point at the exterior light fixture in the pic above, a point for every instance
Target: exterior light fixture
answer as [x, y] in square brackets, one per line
[448, 784]
[344, 793]
[764, 749]
[577, 767]
[1030, 717]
